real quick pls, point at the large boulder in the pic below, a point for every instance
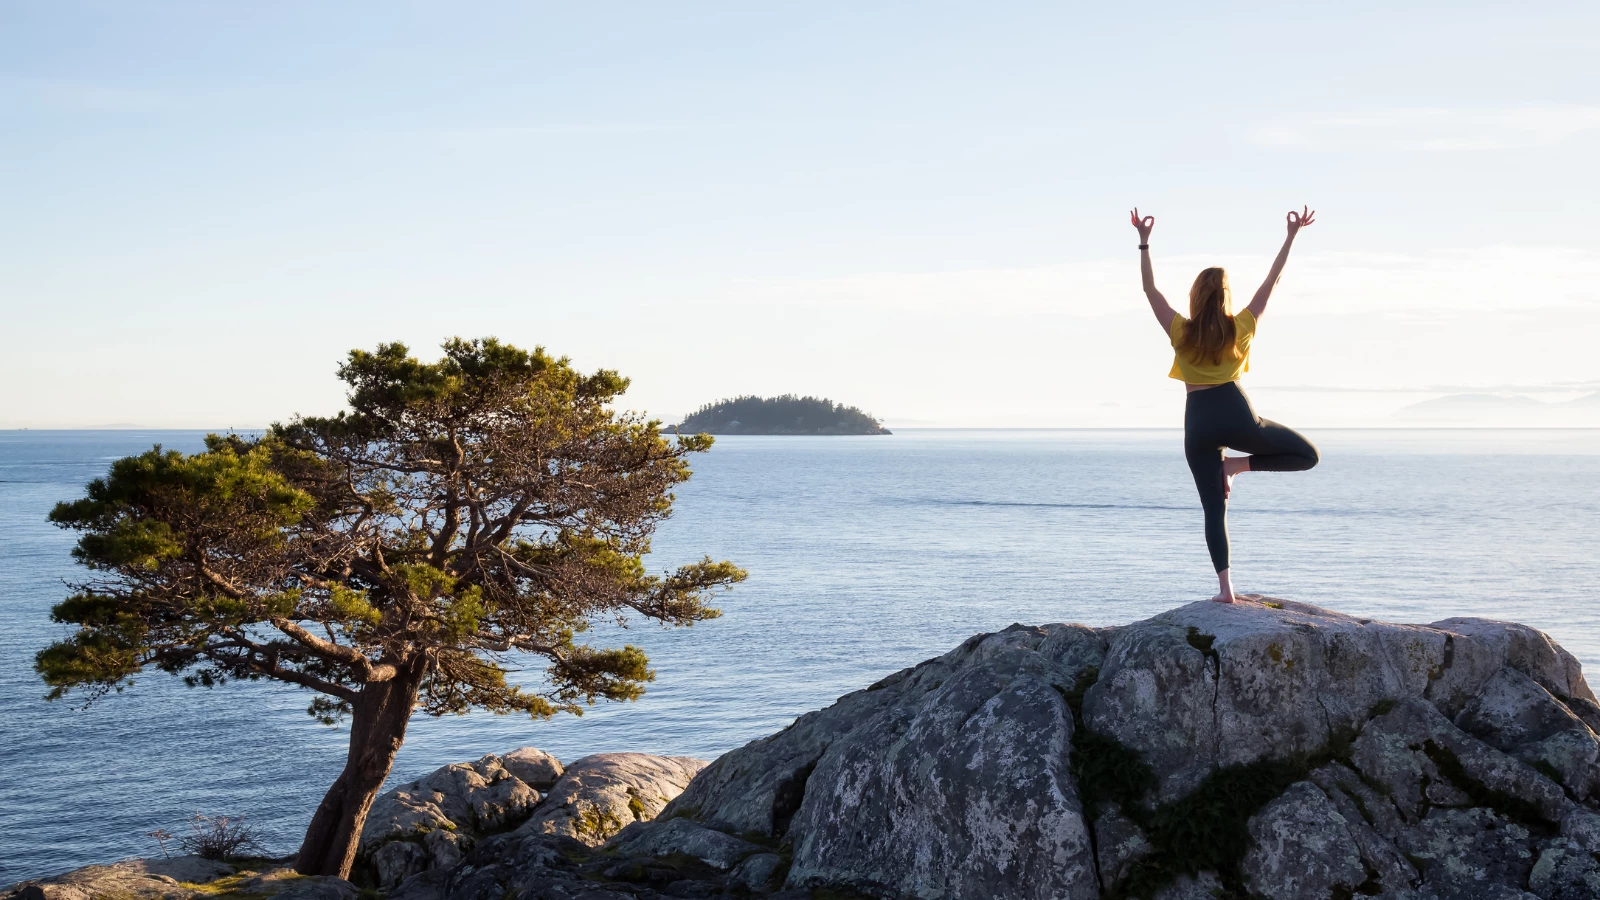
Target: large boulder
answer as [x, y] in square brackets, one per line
[534, 767]
[432, 825]
[659, 838]
[599, 795]
[461, 797]
[1300, 846]
[955, 796]
[1268, 748]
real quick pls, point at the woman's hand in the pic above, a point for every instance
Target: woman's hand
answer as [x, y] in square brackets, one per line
[1144, 225]
[1299, 220]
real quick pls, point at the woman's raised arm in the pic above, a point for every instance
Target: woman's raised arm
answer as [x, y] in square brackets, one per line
[1297, 221]
[1158, 304]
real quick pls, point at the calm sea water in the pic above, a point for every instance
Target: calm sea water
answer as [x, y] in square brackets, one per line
[865, 555]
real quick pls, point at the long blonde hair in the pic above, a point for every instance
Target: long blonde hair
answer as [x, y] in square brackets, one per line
[1209, 334]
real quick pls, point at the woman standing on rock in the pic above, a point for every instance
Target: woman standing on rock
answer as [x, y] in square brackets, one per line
[1211, 350]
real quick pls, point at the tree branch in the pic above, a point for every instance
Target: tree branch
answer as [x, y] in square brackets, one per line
[350, 656]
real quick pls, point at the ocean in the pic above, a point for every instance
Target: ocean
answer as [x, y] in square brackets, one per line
[865, 555]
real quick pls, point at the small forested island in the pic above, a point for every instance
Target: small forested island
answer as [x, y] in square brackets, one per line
[787, 414]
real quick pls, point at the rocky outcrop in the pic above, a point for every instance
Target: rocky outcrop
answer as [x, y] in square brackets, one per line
[1268, 749]
[421, 836]
[600, 795]
[182, 878]
[1260, 750]
[462, 797]
[534, 767]
[427, 827]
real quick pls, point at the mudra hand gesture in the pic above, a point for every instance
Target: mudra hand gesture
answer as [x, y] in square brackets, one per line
[1299, 220]
[1144, 225]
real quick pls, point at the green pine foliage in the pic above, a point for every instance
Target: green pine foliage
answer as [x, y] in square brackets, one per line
[462, 518]
[786, 414]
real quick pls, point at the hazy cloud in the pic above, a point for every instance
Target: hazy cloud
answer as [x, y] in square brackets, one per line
[1431, 129]
[1441, 283]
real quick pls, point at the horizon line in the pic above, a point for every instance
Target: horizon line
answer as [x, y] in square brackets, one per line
[183, 429]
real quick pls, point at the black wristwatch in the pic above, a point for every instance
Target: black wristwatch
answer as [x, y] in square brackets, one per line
[1144, 246]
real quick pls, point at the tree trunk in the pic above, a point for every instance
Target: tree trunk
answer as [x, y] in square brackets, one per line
[377, 728]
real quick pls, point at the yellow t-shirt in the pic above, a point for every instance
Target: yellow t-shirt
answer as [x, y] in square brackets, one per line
[1244, 328]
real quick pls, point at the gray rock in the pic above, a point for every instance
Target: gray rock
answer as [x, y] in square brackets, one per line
[1157, 693]
[1389, 754]
[756, 872]
[1402, 750]
[540, 867]
[1300, 846]
[1587, 710]
[1275, 682]
[1118, 844]
[945, 779]
[316, 888]
[970, 795]
[182, 878]
[536, 768]
[429, 885]
[762, 787]
[1369, 816]
[1205, 886]
[1487, 891]
[1565, 872]
[446, 848]
[1582, 826]
[458, 797]
[1357, 800]
[1459, 848]
[600, 795]
[662, 838]
[1512, 709]
[1508, 644]
[1572, 757]
[1443, 793]
[396, 861]
[1451, 755]
[137, 879]
[190, 869]
[1516, 714]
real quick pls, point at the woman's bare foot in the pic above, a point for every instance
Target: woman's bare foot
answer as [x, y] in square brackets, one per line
[1231, 466]
[1225, 588]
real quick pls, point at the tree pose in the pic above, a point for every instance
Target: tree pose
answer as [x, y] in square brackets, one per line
[463, 516]
[1211, 350]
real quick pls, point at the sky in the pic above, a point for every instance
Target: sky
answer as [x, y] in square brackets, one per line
[917, 208]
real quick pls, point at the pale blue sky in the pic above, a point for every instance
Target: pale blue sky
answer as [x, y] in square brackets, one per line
[917, 207]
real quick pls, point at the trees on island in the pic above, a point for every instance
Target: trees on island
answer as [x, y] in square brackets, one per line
[785, 414]
[395, 557]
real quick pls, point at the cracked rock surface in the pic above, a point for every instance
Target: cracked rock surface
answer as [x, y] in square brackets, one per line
[1407, 761]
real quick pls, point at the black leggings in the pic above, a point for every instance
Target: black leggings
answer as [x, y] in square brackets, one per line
[1219, 418]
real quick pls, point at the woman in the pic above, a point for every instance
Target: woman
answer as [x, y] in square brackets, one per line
[1211, 350]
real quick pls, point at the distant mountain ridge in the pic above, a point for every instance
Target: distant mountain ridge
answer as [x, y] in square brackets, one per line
[1518, 409]
[786, 414]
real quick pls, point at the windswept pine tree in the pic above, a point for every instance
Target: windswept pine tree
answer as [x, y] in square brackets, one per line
[463, 516]
[786, 414]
